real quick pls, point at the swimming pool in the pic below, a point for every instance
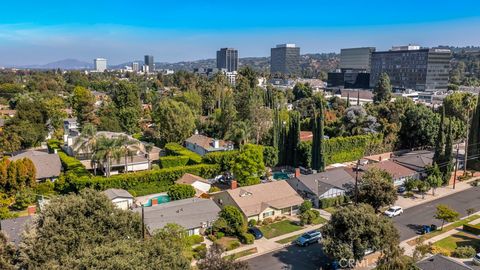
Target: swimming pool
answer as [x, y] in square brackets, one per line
[280, 176]
[161, 199]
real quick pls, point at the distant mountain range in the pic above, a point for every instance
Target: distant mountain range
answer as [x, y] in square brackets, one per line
[66, 64]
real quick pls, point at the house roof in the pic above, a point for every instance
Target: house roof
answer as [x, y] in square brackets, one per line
[188, 213]
[320, 183]
[396, 170]
[14, 227]
[306, 136]
[415, 160]
[189, 179]
[253, 200]
[114, 193]
[364, 94]
[441, 262]
[206, 142]
[47, 165]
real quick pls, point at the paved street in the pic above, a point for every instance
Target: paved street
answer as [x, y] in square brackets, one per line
[291, 257]
[413, 217]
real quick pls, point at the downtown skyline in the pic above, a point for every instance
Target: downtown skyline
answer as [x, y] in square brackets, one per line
[122, 32]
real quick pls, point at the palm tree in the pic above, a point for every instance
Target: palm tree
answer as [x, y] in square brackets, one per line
[86, 142]
[148, 149]
[107, 149]
[239, 133]
[130, 148]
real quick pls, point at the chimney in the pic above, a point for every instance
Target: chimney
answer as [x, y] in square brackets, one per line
[233, 184]
[31, 210]
[154, 201]
[297, 172]
[55, 151]
[216, 144]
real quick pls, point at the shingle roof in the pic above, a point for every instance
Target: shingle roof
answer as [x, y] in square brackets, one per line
[438, 261]
[206, 142]
[14, 227]
[188, 213]
[396, 170]
[252, 200]
[189, 179]
[47, 165]
[320, 183]
[113, 193]
[415, 160]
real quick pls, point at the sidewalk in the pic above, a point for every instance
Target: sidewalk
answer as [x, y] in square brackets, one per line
[439, 193]
[265, 245]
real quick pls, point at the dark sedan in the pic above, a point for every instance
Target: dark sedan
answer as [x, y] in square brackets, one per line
[255, 232]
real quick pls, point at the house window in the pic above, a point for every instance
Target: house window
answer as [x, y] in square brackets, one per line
[268, 214]
[286, 210]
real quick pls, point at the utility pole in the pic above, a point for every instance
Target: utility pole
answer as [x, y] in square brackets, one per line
[143, 223]
[356, 182]
[466, 143]
[456, 166]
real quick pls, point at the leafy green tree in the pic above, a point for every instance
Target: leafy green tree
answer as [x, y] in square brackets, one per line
[376, 189]
[305, 206]
[270, 156]
[440, 140]
[446, 214]
[126, 97]
[410, 184]
[83, 103]
[239, 133]
[180, 192]
[419, 127]
[106, 151]
[215, 261]
[293, 139]
[7, 253]
[423, 187]
[228, 115]
[318, 147]
[393, 258]
[434, 178]
[383, 90]
[234, 219]
[193, 99]
[353, 230]
[174, 121]
[302, 90]
[248, 164]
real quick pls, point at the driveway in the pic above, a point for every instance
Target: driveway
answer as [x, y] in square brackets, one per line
[423, 214]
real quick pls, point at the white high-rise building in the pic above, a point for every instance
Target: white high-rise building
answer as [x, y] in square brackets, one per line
[135, 66]
[100, 64]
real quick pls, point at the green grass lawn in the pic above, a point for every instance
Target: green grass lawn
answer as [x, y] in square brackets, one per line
[242, 254]
[279, 228]
[446, 228]
[319, 220]
[229, 243]
[288, 239]
[331, 210]
[460, 239]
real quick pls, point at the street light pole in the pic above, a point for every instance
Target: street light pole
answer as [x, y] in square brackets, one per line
[143, 223]
[356, 182]
[456, 167]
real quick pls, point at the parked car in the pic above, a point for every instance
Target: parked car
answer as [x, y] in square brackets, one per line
[424, 229]
[308, 238]
[255, 232]
[476, 259]
[433, 227]
[394, 211]
[401, 189]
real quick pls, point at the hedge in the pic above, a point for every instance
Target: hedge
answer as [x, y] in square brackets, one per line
[341, 149]
[173, 161]
[335, 201]
[175, 149]
[474, 229]
[162, 179]
[223, 158]
[69, 164]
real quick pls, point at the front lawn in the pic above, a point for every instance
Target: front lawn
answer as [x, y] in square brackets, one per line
[319, 220]
[240, 254]
[228, 243]
[279, 228]
[460, 239]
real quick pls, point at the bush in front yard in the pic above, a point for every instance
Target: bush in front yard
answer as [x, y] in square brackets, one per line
[180, 192]
[305, 206]
[195, 239]
[246, 238]
[267, 221]
[219, 235]
[252, 222]
[464, 252]
[308, 217]
[199, 252]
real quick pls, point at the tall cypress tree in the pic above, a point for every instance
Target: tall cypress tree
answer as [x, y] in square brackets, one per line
[448, 157]
[318, 147]
[358, 97]
[315, 144]
[440, 143]
[348, 99]
[293, 139]
[473, 136]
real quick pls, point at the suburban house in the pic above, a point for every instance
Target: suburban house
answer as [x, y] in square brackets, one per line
[261, 201]
[329, 184]
[200, 185]
[120, 198]
[47, 166]
[140, 160]
[398, 172]
[203, 145]
[13, 228]
[438, 261]
[193, 214]
[415, 160]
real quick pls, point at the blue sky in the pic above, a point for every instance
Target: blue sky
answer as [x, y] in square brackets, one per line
[35, 32]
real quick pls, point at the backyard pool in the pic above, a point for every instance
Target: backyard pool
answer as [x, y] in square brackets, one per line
[161, 199]
[280, 176]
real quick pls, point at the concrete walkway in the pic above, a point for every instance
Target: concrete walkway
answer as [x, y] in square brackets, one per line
[439, 193]
[265, 245]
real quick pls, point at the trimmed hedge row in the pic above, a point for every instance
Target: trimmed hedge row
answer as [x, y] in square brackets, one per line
[162, 179]
[341, 149]
[223, 158]
[69, 164]
[175, 149]
[173, 161]
[474, 229]
[335, 201]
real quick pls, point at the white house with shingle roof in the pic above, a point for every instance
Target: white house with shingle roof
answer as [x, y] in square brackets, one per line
[119, 197]
[262, 201]
[203, 145]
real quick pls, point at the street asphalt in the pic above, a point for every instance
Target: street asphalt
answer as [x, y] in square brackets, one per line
[312, 257]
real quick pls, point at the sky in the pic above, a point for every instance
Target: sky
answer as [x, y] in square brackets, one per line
[39, 32]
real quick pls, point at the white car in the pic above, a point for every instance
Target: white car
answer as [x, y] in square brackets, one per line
[476, 259]
[394, 211]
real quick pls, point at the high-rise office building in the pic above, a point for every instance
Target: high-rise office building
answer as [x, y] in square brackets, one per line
[227, 58]
[100, 64]
[410, 67]
[150, 63]
[356, 58]
[285, 60]
[135, 66]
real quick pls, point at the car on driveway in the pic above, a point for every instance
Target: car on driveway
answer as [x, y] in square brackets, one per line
[476, 259]
[255, 232]
[308, 238]
[394, 211]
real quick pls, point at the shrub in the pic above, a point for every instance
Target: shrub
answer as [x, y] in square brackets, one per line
[224, 159]
[214, 189]
[278, 218]
[267, 221]
[155, 167]
[409, 194]
[199, 252]
[440, 250]
[305, 206]
[212, 237]
[308, 217]
[180, 192]
[246, 238]
[331, 202]
[474, 229]
[175, 149]
[464, 252]
[270, 156]
[173, 161]
[252, 222]
[219, 235]
[232, 245]
[195, 239]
